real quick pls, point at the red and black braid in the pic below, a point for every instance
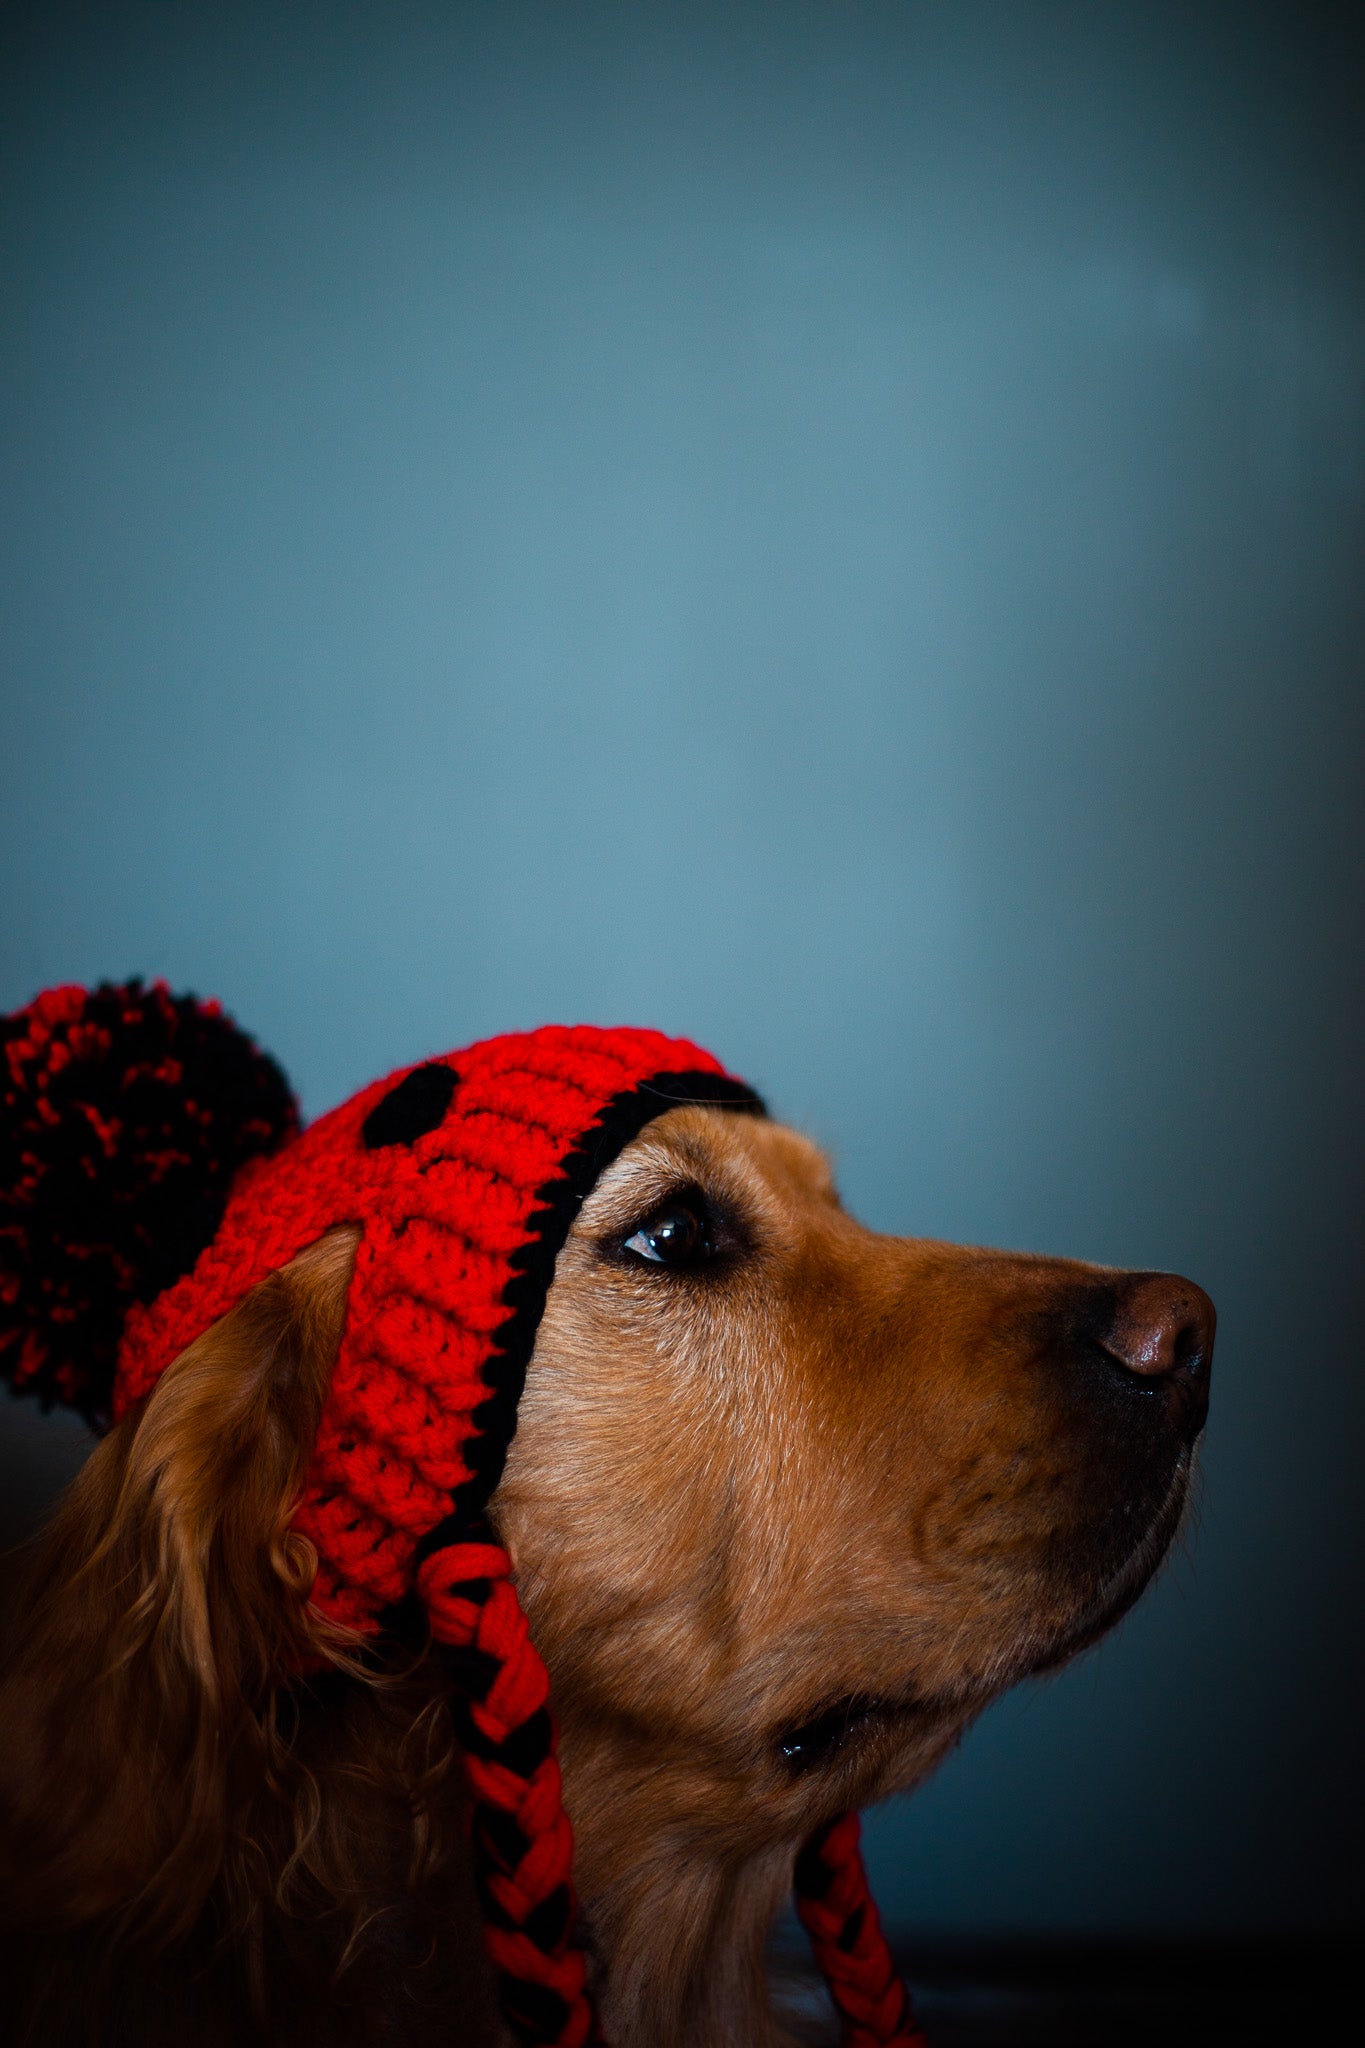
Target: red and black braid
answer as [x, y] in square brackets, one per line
[522, 1838]
[835, 1906]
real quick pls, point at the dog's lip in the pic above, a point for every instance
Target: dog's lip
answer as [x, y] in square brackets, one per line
[1126, 1586]
[820, 1735]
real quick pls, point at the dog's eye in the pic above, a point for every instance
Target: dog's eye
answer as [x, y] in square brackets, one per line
[678, 1235]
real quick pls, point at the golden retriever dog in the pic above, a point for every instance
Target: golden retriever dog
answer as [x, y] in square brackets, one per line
[788, 1504]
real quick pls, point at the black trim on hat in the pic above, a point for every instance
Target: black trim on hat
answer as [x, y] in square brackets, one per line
[558, 1202]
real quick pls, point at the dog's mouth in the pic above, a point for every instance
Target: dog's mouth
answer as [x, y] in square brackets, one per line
[844, 1728]
[815, 1743]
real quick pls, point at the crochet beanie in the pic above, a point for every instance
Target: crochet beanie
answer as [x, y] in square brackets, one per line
[152, 1171]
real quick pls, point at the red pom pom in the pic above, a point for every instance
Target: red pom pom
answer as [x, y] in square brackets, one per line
[125, 1112]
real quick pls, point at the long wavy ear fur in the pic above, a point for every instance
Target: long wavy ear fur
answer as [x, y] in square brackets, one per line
[158, 1615]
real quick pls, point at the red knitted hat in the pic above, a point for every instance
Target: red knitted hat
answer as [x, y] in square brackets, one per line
[151, 1173]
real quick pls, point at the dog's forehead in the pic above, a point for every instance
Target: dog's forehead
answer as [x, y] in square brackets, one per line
[714, 1147]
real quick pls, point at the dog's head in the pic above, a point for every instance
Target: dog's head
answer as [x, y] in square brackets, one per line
[791, 1501]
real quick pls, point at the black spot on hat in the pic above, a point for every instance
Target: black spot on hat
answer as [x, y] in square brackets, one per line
[417, 1105]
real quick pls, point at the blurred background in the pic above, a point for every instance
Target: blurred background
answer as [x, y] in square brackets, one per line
[835, 529]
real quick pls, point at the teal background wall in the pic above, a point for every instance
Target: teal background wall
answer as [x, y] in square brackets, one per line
[832, 528]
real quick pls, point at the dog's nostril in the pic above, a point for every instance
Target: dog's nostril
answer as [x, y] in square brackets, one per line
[1162, 1327]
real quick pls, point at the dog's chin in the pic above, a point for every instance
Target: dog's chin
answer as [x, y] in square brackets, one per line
[1108, 1602]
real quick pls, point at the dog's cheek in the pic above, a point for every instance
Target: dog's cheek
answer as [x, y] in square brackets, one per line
[604, 1549]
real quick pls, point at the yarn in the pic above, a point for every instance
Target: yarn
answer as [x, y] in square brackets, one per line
[834, 1904]
[125, 1113]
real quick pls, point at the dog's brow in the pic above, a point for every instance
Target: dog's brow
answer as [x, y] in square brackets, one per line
[804, 1158]
[642, 1172]
[719, 1160]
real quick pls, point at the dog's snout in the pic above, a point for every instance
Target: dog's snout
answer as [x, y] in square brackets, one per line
[1161, 1331]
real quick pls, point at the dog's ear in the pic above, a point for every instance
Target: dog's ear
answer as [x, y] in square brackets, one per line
[157, 1617]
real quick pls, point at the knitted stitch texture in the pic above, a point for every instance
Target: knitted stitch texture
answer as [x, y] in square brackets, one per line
[460, 1224]
[463, 1176]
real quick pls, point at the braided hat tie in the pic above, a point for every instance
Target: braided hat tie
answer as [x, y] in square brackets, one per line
[151, 1174]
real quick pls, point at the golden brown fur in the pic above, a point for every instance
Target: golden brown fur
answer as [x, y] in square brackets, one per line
[842, 1483]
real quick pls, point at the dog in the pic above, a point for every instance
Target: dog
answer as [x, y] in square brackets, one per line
[788, 1504]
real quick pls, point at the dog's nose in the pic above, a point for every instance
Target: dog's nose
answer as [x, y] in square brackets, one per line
[1162, 1330]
